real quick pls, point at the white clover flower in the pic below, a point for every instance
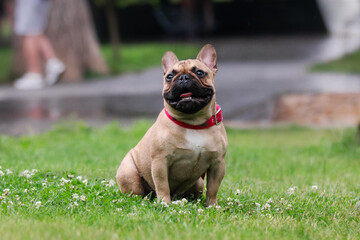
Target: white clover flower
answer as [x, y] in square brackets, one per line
[266, 206]
[26, 190]
[112, 183]
[237, 201]
[0, 167]
[85, 182]
[26, 173]
[314, 187]
[79, 178]
[76, 204]
[8, 172]
[291, 190]
[238, 191]
[75, 196]
[218, 207]
[230, 203]
[20, 204]
[6, 191]
[119, 209]
[1, 173]
[44, 185]
[269, 201]
[82, 198]
[17, 198]
[64, 181]
[70, 176]
[104, 182]
[257, 205]
[2, 197]
[200, 210]
[38, 204]
[184, 200]
[177, 202]
[34, 171]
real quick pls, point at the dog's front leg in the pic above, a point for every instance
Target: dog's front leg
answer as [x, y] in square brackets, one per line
[215, 174]
[159, 171]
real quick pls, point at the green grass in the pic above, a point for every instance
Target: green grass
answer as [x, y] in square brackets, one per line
[137, 57]
[347, 64]
[268, 192]
[133, 57]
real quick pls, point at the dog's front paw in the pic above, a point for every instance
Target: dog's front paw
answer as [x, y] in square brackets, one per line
[165, 199]
[211, 202]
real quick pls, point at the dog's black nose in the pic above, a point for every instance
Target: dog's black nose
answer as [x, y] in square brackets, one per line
[184, 78]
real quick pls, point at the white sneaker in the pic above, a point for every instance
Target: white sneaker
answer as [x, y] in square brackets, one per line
[30, 81]
[54, 68]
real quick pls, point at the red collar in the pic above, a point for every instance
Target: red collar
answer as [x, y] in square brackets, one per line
[214, 120]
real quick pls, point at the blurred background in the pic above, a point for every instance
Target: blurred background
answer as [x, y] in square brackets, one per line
[280, 61]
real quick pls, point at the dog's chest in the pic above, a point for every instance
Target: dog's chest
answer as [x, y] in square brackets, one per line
[193, 156]
[195, 141]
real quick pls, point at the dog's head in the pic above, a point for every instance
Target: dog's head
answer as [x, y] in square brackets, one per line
[189, 84]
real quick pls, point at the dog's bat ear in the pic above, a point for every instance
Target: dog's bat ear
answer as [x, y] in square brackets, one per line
[208, 56]
[168, 60]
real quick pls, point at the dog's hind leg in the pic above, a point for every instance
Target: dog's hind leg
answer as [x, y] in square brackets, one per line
[129, 179]
[196, 190]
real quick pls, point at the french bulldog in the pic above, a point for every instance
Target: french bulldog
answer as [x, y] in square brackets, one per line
[187, 140]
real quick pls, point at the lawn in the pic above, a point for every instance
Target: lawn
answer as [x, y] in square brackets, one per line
[347, 64]
[133, 57]
[287, 183]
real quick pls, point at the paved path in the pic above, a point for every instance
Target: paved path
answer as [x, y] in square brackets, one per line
[252, 73]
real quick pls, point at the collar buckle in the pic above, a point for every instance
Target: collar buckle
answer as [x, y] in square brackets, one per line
[216, 119]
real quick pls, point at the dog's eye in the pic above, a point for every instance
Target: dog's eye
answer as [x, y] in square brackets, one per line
[200, 73]
[169, 77]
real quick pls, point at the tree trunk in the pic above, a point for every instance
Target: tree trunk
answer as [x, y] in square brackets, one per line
[113, 29]
[71, 31]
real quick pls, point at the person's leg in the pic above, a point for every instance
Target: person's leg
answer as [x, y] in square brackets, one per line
[54, 67]
[32, 55]
[33, 78]
[46, 48]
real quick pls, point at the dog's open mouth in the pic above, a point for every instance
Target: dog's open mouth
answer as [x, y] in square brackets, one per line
[189, 102]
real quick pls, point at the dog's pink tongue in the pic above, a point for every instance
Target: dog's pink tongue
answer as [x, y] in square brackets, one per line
[184, 95]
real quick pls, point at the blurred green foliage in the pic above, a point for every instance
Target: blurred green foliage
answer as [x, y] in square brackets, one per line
[5, 64]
